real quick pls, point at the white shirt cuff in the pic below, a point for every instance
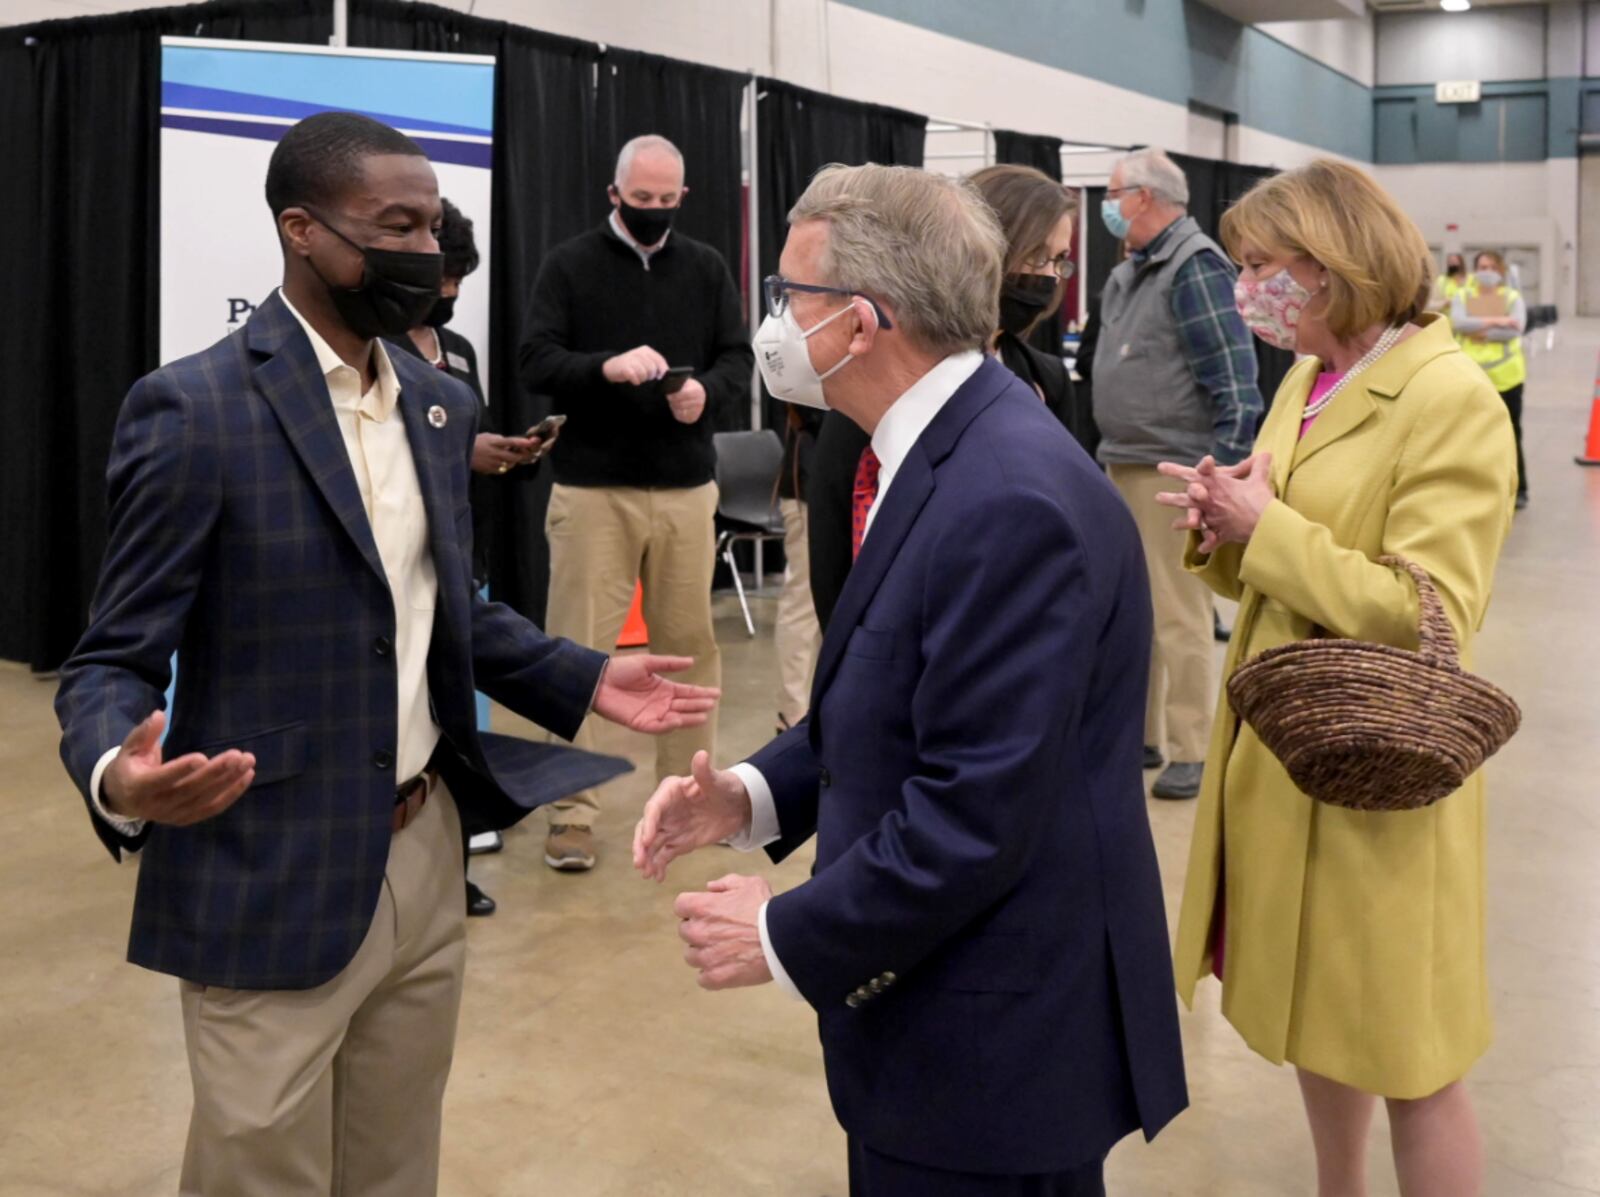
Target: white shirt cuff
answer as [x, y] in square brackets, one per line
[118, 822]
[774, 965]
[763, 828]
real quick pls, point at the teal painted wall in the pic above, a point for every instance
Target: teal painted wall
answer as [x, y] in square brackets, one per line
[1177, 50]
[1526, 121]
[1589, 112]
[1182, 51]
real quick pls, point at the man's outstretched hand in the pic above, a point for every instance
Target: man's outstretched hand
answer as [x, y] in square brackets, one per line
[686, 813]
[138, 784]
[634, 694]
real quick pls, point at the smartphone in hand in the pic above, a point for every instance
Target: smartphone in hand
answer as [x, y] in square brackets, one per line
[672, 382]
[546, 427]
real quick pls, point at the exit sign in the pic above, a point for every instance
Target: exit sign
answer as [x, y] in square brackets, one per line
[1465, 91]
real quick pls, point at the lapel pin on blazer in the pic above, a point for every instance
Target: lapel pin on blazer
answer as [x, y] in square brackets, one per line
[436, 416]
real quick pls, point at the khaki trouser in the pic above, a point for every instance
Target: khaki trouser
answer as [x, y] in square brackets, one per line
[337, 1090]
[602, 539]
[1180, 660]
[798, 635]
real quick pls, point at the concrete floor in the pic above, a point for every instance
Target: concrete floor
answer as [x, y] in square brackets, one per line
[589, 1064]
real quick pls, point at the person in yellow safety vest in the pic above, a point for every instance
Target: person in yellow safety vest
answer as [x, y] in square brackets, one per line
[1495, 343]
[1448, 284]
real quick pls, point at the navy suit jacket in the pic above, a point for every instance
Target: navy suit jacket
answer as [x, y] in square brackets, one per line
[983, 937]
[238, 538]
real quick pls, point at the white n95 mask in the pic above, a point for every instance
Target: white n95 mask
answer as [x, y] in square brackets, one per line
[785, 362]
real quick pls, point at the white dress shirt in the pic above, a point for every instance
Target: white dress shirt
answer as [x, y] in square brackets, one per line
[386, 474]
[900, 428]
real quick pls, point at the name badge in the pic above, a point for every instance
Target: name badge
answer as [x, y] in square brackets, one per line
[456, 362]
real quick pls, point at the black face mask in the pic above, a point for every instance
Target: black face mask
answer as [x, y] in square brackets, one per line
[397, 289]
[1022, 298]
[1455, 268]
[646, 225]
[442, 313]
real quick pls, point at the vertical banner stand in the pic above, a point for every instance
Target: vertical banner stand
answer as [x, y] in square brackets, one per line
[752, 220]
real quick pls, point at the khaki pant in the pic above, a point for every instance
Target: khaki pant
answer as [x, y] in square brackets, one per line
[798, 636]
[336, 1091]
[1180, 660]
[602, 539]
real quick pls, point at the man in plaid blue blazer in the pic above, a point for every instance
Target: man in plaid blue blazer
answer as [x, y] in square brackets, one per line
[290, 514]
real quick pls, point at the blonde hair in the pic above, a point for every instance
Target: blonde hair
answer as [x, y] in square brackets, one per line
[925, 244]
[1380, 270]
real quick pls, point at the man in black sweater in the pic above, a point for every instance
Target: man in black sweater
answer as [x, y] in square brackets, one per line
[613, 311]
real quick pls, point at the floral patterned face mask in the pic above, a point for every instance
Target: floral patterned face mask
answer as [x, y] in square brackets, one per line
[1271, 307]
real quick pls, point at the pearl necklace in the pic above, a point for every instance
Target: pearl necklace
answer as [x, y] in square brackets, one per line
[1382, 345]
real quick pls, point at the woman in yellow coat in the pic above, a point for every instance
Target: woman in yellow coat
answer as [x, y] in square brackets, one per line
[1349, 944]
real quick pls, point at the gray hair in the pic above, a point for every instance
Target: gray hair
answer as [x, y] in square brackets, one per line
[649, 141]
[1158, 174]
[924, 244]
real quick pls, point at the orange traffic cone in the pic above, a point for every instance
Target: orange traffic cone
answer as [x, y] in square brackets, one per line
[1591, 447]
[634, 633]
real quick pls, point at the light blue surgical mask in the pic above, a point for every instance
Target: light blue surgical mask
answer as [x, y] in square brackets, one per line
[1116, 223]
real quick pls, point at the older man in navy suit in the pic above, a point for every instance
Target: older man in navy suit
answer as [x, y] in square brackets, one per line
[289, 512]
[983, 937]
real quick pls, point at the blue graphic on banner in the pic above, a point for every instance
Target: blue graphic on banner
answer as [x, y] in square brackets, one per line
[457, 93]
[267, 91]
[220, 100]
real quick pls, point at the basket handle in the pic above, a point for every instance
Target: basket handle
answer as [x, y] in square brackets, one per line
[1436, 638]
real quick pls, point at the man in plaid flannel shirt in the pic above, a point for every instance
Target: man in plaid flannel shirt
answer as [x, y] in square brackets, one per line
[1174, 380]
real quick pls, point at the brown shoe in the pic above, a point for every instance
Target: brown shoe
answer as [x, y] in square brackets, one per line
[569, 847]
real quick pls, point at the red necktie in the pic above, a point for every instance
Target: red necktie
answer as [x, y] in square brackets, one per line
[866, 493]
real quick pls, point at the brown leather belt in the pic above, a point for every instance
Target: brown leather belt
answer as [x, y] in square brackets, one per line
[411, 796]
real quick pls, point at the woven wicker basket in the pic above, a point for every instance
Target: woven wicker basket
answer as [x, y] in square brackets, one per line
[1372, 727]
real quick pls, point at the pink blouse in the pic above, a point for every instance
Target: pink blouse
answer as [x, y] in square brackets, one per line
[1326, 381]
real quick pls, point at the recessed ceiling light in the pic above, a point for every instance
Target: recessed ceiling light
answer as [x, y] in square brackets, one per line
[1455, 5]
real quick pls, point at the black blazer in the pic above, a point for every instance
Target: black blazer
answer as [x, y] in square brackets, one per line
[1048, 374]
[800, 429]
[830, 491]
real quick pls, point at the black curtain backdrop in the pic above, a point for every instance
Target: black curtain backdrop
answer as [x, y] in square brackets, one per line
[1029, 149]
[79, 222]
[547, 159]
[697, 108]
[1101, 249]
